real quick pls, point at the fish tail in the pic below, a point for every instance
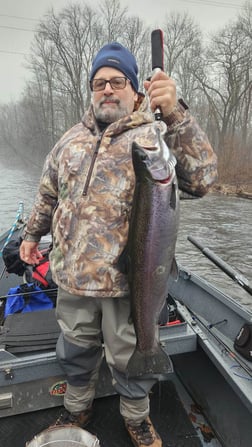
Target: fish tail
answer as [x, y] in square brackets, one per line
[148, 363]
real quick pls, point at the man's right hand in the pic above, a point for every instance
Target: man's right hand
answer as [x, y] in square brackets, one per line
[29, 252]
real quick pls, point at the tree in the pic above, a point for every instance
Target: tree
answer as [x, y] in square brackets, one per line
[244, 26]
[113, 20]
[9, 127]
[68, 33]
[183, 55]
[225, 80]
[213, 78]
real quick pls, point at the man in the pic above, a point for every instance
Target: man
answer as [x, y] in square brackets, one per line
[85, 198]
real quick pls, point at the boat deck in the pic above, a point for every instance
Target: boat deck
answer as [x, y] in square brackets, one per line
[178, 424]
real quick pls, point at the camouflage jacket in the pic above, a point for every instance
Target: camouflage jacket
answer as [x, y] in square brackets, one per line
[86, 191]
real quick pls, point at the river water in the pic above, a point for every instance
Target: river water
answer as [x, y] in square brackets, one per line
[220, 223]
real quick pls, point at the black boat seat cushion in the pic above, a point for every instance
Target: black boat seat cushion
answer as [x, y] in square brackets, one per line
[31, 331]
[243, 341]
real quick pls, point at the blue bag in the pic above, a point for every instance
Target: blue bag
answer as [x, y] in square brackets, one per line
[26, 298]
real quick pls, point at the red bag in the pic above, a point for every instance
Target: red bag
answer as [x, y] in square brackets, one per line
[42, 273]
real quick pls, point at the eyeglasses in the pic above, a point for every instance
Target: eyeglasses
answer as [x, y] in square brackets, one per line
[117, 83]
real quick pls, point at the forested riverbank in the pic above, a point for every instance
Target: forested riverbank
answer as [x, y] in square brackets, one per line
[212, 72]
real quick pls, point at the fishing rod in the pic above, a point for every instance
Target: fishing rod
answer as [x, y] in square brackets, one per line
[28, 292]
[225, 347]
[226, 268]
[19, 218]
[157, 63]
[157, 59]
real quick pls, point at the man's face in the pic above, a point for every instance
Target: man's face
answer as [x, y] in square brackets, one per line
[112, 104]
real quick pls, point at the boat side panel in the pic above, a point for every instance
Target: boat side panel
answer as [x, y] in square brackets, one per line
[209, 303]
[222, 407]
[27, 396]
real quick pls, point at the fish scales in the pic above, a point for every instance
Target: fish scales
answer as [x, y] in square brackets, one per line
[151, 253]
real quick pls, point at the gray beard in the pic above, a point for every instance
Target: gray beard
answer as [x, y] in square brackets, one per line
[110, 116]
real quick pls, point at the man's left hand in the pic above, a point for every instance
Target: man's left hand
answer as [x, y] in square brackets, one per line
[162, 93]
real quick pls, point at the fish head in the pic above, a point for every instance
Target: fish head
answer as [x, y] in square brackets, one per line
[157, 163]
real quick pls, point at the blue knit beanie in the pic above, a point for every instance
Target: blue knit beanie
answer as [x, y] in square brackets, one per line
[116, 56]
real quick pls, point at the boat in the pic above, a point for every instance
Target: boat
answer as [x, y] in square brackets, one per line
[205, 401]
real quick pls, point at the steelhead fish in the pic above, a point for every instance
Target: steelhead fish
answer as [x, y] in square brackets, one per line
[151, 253]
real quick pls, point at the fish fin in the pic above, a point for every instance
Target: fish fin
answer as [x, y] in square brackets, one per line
[150, 363]
[174, 272]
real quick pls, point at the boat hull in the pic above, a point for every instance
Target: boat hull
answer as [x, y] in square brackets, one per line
[212, 381]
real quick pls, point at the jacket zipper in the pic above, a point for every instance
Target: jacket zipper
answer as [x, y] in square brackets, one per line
[91, 167]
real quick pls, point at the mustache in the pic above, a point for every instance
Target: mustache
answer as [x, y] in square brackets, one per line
[106, 99]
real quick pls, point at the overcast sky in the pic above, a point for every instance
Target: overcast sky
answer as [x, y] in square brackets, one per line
[19, 17]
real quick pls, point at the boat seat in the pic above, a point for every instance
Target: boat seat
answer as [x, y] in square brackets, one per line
[39, 331]
[30, 331]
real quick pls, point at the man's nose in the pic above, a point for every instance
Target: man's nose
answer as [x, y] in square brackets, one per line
[108, 88]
